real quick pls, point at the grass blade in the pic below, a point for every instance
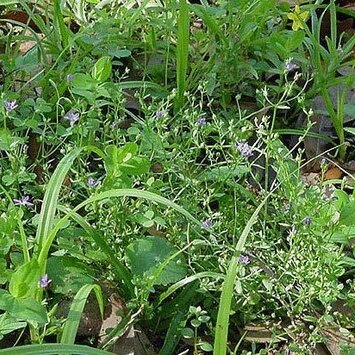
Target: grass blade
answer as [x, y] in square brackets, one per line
[50, 200]
[221, 336]
[105, 196]
[122, 273]
[50, 349]
[184, 282]
[173, 335]
[76, 310]
[59, 25]
[182, 52]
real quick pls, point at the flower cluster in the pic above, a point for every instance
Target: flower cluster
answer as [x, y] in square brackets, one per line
[244, 149]
[201, 121]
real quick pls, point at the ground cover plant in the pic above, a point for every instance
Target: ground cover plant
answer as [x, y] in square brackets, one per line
[177, 173]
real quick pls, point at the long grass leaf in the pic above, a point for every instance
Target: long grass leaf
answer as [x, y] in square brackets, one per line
[221, 336]
[105, 196]
[121, 272]
[72, 323]
[59, 24]
[173, 334]
[51, 349]
[185, 282]
[182, 51]
[50, 200]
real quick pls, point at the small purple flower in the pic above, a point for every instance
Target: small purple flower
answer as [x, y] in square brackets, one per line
[92, 182]
[10, 105]
[307, 221]
[44, 281]
[290, 65]
[159, 114]
[70, 77]
[207, 224]
[72, 117]
[244, 259]
[23, 201]
[244, 149]
[201, 121]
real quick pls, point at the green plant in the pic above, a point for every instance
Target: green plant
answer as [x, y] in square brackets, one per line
[326, 60]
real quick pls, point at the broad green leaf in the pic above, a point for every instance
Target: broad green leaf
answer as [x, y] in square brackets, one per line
[68, 274]
[119, 53]
[124, 160]
[145, 255]
[24, 280]
[347, 214]
[26, 309]
[102, 69]
[84, 82]
[8, 324]
[84, 85]
[349, 109]
[294, 40]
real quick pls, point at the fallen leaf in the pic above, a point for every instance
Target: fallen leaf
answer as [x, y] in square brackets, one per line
[333, 174]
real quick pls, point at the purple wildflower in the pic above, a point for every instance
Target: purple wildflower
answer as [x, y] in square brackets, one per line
[23, 201]
[201, 121]
[307, 221]
[44, 281]
[290, 65]
[10, 105]
[207, 224]
[72, 117]
[244, 149]
[244, 259]
[70, 77]
[92, 182]
[159, 114]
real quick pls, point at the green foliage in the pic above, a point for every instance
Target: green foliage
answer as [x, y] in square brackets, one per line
[72, 323]
[24, 309]
[144, 148]
[68, 274]
[145, 255]
[24, 280]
